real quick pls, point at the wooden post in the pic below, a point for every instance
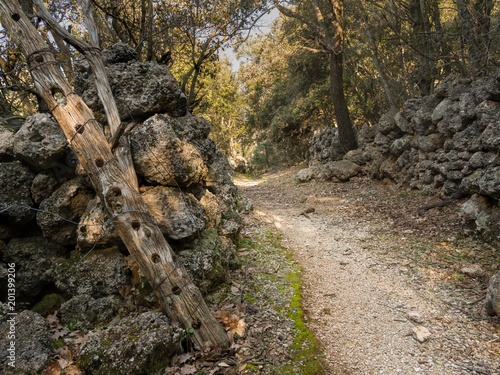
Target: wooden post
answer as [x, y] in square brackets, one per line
[180, 298]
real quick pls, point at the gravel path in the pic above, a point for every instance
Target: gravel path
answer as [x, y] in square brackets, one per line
[364, 298]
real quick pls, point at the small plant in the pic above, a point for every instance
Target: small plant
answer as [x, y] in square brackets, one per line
[71, 326]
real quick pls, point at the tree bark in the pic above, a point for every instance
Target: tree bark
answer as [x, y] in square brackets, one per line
[180, 298]
[333, 43]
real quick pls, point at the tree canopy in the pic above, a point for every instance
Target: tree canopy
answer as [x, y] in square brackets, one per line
[377, 53]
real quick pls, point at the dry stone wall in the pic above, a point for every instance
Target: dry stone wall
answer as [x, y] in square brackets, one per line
[447, 143]
[54, 228]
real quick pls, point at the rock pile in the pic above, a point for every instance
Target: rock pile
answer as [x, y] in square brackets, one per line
[50, 218]
[447, 143]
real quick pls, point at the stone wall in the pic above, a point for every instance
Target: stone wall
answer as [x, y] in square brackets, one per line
[447, 143]
[54, 228]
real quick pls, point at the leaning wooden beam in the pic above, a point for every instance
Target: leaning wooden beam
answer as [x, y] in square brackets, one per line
[92, 53]
[180, 298]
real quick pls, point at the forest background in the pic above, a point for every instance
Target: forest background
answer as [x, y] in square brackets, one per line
[267, 110]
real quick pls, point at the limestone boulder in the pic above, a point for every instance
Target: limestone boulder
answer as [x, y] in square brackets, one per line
[490, 138]
[33, 344]
[179, 215]
[140, 89]
[96, 229]
[99, 273]
[40, 141]
[15, 195]
[34, 258]
[209, 260]
[165, 150]
[484, 182]
[62, 211]
[6, 144]
[84, 312]
[492, 304]
[44, 184]
[134, 345]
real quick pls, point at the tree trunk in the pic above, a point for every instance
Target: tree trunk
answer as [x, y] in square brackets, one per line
[347, 135]
[180, 298]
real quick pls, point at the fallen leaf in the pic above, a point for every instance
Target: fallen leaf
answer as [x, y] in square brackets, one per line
[188, 370]
[223, 364]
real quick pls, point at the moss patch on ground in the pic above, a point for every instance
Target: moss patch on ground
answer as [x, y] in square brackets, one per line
[278, 284]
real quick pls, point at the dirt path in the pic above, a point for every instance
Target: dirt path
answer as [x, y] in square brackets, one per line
[375, 268]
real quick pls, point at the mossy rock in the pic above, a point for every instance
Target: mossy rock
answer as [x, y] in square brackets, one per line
[49, 304]
[208, 261]
[133, 346]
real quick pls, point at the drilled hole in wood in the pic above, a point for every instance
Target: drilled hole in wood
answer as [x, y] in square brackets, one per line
[116, 192]
[147, 232]
[118, 208]
[58, 96]
[196, 325]
[136, 225]
[155, 258]
[80, 129]
[39, 59]
[99, 163]
[16, 17]
[176, 290]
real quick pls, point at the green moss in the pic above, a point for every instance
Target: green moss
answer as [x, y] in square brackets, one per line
[48, 305]
[305, 350]
[56, 344]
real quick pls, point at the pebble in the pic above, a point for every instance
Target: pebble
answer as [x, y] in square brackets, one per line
[421, 333]
[415, 316]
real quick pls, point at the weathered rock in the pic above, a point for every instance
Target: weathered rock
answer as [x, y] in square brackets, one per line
[133, 346]
[209, 261]
[119, 53]
[95, 229]
[164, 150]
[85, 312]
[140, 89]
[431, 142]
[387, 123]
[451, 122]
[6, 144]
[485, 182]
[468, 139]
[220, 179]
[213, 210]
[480, 215]
[62, 211]
[452, 87]
[356, 156]
[230, 225]
[485, 88]
[179, 215]
[343, 169]
[44, 184]
[99, 273]
[421, 334]
[325, 146]
[487, 112]
[32, 344]
[40, 141]
[490, 138]
[34, 258]
[492, 304]
[306, 175]
[401, 145]
[366, 134]
[416, 317]
[15, 182]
